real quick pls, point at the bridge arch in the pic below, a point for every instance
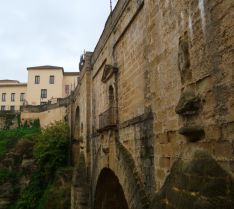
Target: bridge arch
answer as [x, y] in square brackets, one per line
[109, 192]
[117, 164]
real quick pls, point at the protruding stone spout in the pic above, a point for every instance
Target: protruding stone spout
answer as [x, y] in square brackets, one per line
[193, 133]
[106, 150]
[189, 104]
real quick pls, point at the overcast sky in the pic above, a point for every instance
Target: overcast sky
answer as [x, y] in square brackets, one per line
[48, 32]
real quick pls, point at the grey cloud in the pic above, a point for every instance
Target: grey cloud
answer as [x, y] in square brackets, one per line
[55, 32]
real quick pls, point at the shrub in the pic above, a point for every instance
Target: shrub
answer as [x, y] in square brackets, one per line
[8, 175]
[51, 149]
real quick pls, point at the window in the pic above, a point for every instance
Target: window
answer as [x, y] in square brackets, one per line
[37, 79]
[21, 108]
[3, 108]
[12, 108]
[3, 97]
[44, 93]
[66, 89]
[12, 97]
[52, 79]
[22, 97]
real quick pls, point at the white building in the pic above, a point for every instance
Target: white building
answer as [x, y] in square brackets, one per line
[13, 94]
[45, 84]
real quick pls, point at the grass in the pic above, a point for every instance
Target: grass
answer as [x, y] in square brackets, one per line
[8, 138]
[19, 132]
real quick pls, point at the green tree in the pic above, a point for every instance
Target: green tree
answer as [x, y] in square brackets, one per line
[51, 150]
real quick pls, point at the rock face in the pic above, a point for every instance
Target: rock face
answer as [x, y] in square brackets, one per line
[16, 168]
[6, 193]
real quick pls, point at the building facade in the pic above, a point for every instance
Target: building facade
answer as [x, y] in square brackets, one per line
[13, 94]
[45, 85]
[48, 83]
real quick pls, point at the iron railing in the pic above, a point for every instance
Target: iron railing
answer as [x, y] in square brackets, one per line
[108, 118]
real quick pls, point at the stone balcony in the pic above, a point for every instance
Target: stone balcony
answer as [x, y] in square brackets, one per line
[108, 119]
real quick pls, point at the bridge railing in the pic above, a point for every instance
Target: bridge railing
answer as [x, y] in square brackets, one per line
[108, 118]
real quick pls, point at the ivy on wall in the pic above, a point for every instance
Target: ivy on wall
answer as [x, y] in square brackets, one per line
[8, 118]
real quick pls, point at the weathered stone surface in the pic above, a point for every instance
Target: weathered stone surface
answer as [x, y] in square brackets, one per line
[171, 55]
[6, 194]
[79, 190]
[199, 183]
[184, 60]
[193, 133]
[4, 203]
[189, 104]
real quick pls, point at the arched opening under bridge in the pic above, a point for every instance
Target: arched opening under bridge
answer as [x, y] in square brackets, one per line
[109, 193]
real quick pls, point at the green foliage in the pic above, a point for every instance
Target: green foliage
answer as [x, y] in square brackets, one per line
[9, 117]
[19, 133]
[8, 138]
[51, 150]
[56, 197]
[6, 142]
[26, 124]
[19, 120]
[3, 147]
[31, 194]
[36, 123]
[6, 175]
[32, 124]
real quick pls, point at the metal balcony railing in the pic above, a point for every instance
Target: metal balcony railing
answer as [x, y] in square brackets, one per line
[108, 119]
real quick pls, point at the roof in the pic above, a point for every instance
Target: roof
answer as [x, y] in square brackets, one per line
[71, 73]
[9, 81]
[50, 67]
[13, 84]
[45, 67]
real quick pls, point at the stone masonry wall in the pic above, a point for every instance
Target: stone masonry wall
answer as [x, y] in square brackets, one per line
[191, 54]
[123, 49]
[45, 117]
[170, 66]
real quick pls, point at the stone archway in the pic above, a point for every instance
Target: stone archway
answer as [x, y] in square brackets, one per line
[117, 162]
[109, 193]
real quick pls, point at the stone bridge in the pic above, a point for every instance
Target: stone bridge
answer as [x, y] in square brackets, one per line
[152, 120]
